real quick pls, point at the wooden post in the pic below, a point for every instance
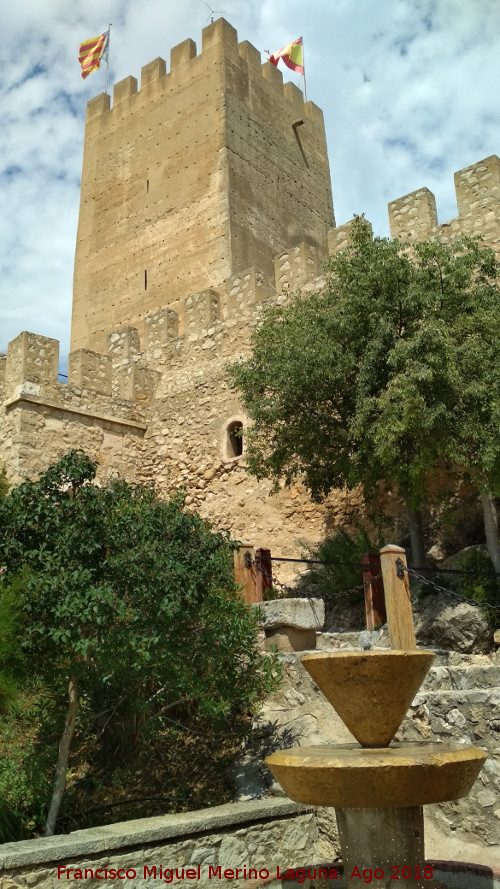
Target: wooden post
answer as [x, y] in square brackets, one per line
[244, 572]
[397, 598]
[374, 591]
[263, 577]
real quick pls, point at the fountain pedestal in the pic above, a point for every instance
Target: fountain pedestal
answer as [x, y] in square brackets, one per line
[373, 840]
[378, 789]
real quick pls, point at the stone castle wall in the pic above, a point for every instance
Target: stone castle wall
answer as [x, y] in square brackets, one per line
[157, 407]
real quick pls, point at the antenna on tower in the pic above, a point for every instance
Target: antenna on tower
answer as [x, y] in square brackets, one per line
[213, 11]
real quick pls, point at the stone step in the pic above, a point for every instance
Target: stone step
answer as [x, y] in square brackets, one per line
[350, 641]
[458, 697]
[458, 678]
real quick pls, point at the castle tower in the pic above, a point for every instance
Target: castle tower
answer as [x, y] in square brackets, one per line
[203, 172]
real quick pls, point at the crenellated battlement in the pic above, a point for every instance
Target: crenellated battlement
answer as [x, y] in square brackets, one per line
[118, 379]
[220, 47]
[414, 217]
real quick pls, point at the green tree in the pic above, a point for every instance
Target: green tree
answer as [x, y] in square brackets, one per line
[130, 600]
[365, 382]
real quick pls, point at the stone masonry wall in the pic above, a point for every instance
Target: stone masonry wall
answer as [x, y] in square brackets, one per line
[258, 835]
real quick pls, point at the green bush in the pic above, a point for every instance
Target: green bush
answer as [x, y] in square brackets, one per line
[4, 484]
[484, 586]
[129, 599]
[333, 580]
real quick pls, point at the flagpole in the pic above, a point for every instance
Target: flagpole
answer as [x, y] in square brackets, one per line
[107, 58]
[304, 67]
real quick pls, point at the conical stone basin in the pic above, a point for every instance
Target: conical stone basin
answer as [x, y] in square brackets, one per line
[348, 776]
[370, 690]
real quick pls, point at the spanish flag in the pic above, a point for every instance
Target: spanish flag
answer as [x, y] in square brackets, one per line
[292, 55]
[91, 53]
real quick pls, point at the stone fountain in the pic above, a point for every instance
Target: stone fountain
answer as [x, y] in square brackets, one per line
[378, 787]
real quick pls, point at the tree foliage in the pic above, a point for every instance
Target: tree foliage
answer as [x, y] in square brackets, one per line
[131, 599]
[386, 375]
[4, 483]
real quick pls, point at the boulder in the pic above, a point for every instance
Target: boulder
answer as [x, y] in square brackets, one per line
[452, 624]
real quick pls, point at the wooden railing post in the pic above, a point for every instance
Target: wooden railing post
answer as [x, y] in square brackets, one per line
[263, 572]
[374, 591]
[244, 572]
[397, 597]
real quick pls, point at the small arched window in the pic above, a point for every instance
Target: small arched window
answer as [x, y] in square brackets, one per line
[233, 444]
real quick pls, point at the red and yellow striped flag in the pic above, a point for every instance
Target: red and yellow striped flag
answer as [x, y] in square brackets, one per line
[292, 55]
[91, 53]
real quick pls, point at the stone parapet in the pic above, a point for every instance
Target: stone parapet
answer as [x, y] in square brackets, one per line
[478, 187]
[201, 310]
[123, 343]
[339, 238]
[219, 40]
[413, 217]
[249, 288]
[90, 370]
[124, 89]
[160, 328]
[32, 358]
[260, 834]
[296, 267]
[153, 71]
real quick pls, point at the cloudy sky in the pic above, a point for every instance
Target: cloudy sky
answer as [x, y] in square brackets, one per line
[409, 88]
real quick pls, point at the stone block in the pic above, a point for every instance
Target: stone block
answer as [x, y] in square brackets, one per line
[251, 55]
[98, 105]
[153, 71]
[296, 267]
[182, 53]
[248, 288]
[413, 216]
[134, 382]
[123, 343]
[160, 328]
[200, 311]
[302, 614]
[32, 358]
[124, 89]
[90, 370]
[458, 626]
[290, 639]
[272, 74]
[478, 187]
[220, 37]
[339, 238]
[294, 94]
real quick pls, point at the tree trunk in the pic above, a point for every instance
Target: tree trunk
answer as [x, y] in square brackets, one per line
[491, 529]
[62, 758]
[418, 556]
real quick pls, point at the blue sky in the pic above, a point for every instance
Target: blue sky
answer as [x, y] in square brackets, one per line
[409, 89]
